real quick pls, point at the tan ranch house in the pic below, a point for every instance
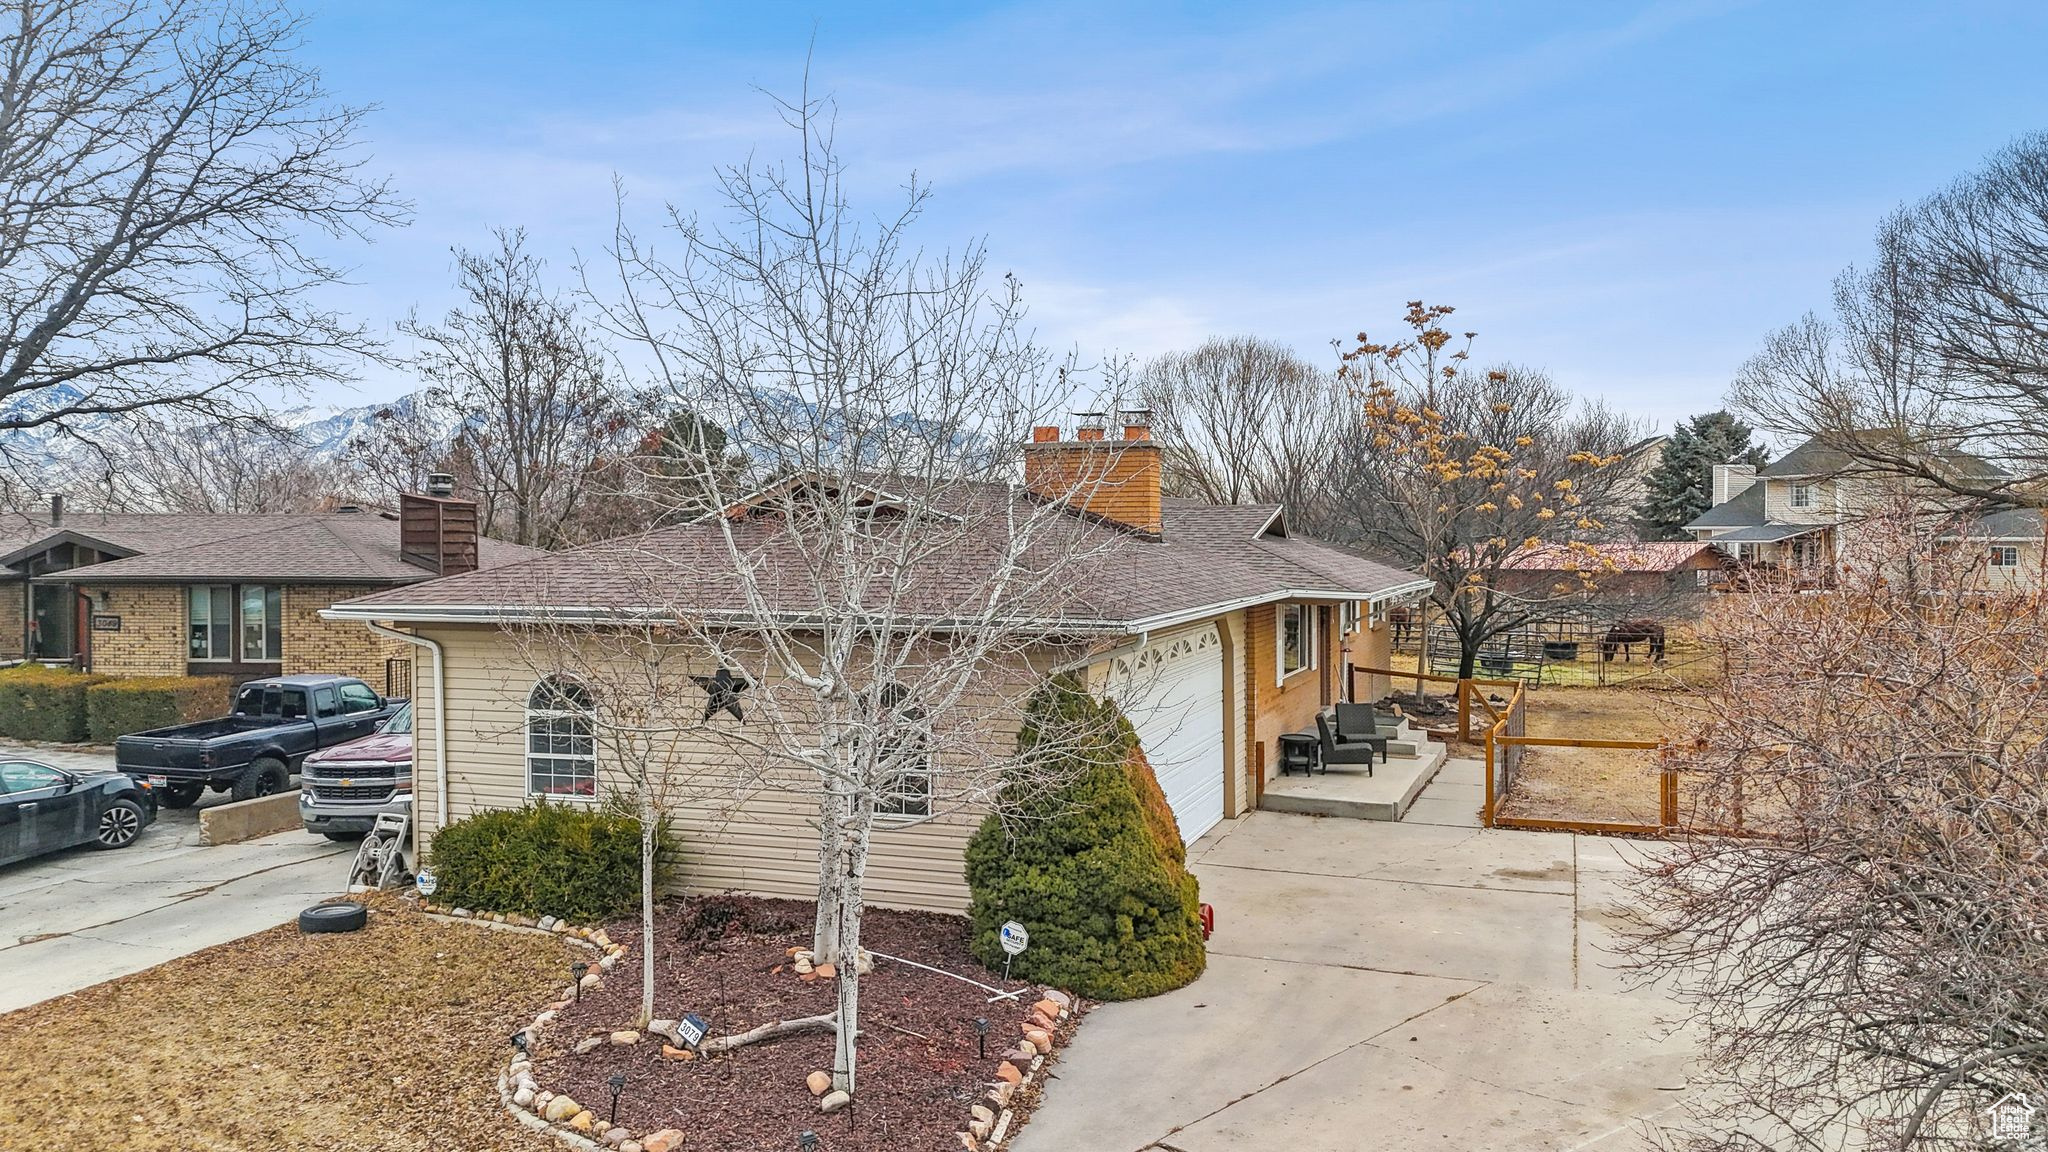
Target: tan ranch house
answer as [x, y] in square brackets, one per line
[217, 594]
[1216, 627]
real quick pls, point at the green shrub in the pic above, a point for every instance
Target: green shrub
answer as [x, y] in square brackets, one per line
[44, 704]
[1090, 861]
[567, 860]
[139, 703]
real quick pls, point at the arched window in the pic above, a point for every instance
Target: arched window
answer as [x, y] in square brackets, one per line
[561, 741]
[906, 767]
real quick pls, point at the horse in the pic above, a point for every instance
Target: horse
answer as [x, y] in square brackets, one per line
[1402, 620]
[1629, 633]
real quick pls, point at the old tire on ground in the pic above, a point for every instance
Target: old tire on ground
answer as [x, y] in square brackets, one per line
[262, 778]
[344, 917]
[120, 823]
[181, 795]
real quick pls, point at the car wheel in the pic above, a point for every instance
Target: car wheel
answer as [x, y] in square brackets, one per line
[181, 795]
[344, 917]
[120, 823]
[262, 778]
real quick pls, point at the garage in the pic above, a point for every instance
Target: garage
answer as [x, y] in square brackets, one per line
[1172, 691]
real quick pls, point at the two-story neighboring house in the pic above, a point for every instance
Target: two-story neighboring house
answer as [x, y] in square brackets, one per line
[1800, 512]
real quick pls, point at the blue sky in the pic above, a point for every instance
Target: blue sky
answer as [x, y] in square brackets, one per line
[1628, 195]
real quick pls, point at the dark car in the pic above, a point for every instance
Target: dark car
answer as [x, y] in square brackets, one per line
[254, 750]
[44, 809]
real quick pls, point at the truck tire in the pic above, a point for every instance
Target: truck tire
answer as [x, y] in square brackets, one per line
[344, 837]
[343, 917]
[181, 795]
[262, 778]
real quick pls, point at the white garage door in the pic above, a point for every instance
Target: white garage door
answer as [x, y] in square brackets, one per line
[1173, 693]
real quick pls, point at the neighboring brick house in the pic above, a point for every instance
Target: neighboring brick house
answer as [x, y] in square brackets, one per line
[153, 594]
[1215, 627]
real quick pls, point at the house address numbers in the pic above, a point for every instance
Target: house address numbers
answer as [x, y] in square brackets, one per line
[105, 622]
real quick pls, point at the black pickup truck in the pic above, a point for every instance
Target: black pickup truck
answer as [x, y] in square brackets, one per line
[254, 750]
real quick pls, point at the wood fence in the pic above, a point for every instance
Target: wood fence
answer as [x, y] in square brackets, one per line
[1471, 694]
[1506, 740]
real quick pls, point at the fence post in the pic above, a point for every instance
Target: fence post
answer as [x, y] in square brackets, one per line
[1667, 792]
[1465, 711]
[1486, 813]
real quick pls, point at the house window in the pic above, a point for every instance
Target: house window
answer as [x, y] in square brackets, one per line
[1297, 639]
[904, 771]
[561, 741]
[228, 622]
[1703, 577]
[1376, 614]
[1350, 617]
[2005, 556]
[1802, 496]
[906, 787]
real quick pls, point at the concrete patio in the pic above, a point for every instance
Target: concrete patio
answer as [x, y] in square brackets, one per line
[1386, 986]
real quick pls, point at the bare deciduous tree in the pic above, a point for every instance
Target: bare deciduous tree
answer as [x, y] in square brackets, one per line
[159, 163]
[1244, 420]
[624, 683]
[182, 467]
[538, 407]
[1870, 969]
[891, 594]
[1935, 361]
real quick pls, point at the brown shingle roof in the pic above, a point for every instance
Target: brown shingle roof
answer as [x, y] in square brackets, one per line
[324, 548]
[1208, 557]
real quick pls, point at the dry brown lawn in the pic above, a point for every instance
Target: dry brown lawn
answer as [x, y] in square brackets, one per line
[386, 1038]
[1602, 784]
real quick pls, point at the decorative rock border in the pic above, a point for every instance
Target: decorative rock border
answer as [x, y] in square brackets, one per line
[558, 1114]
[989, 1118]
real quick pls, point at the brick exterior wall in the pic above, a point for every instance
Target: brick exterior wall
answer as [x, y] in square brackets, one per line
[13, 618]
[1274, 706]
[1115, 479]
[335, 647]
[151, 641]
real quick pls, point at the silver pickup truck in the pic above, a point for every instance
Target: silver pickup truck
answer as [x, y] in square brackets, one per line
[343, 788]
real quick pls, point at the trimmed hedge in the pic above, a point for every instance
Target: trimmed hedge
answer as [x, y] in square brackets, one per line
[567, 860]
[140, 703]
[44, 704]
[1091, 863]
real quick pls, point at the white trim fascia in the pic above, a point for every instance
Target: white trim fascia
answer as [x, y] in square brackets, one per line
[502, 614]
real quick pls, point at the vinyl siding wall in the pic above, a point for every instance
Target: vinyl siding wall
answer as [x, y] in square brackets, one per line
[763, 842]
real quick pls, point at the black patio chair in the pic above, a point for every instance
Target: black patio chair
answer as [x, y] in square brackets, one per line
[1337, 755]
[1358, 724]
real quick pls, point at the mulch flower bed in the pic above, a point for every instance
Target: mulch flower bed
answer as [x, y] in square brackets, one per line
[727, 959]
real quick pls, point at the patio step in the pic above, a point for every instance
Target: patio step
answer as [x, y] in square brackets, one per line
[1351, 794]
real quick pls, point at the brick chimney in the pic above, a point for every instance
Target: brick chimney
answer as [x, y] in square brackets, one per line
[1116, 479]
[436, 531]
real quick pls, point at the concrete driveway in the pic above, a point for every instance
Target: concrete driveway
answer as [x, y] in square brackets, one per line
[75, 918]
[1384, 986]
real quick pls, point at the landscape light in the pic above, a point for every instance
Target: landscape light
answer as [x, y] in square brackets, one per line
[981, 1036]
[576, 972]
[519, 1041]
[807, 1141]
[618, 1083]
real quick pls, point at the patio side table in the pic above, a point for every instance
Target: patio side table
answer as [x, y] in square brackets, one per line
[1299, 750]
